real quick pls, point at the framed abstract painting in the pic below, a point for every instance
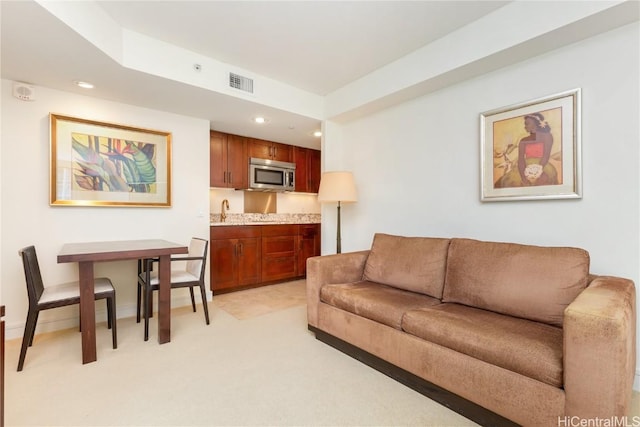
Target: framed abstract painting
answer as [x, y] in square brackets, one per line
[532, 150]
[106, 164]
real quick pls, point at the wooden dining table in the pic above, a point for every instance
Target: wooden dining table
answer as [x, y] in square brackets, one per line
[86, 254]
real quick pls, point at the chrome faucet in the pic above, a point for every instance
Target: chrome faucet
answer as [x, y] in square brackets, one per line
[223, 214]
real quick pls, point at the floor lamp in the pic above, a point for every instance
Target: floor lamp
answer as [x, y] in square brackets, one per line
[337, 187]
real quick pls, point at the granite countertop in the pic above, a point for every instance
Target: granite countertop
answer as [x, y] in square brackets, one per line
[264, 219]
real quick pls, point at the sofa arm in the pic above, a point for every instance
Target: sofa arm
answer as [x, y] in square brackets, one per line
[600, 349]
[339, 268]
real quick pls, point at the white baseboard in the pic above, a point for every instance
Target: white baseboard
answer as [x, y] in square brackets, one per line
[16, 330]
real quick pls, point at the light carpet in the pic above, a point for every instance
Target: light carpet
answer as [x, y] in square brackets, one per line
[264, 370]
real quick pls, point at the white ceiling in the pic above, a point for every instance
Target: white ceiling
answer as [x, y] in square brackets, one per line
[316, 46]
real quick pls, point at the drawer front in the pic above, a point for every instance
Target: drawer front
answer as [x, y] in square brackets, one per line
[278, 245]
[234, 231]
[278, 268]
[280, 230]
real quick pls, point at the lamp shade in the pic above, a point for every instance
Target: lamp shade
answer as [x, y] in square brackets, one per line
[337, 187]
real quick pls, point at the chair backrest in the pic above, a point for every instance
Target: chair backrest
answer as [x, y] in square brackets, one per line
[197, 248]
[35, 286]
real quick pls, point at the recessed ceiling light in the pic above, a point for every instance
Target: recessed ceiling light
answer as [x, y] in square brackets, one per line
[317, 134]
[260, 120]
[84, 85]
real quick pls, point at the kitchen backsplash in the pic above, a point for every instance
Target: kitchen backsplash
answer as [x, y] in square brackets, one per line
[274, 218]
[292, 208]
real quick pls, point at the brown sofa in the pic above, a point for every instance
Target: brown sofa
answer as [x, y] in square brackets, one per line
[500, 332]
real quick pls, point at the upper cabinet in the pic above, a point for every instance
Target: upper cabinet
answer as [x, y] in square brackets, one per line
[314, 170]
[228, 161]
[307, 169]
[262, 149]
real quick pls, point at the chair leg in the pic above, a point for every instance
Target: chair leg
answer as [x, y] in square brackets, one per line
[33, 330]
[150, 302]
[193, 299]
[109, 307]
[112, 320]
[139, 303]
[27, 338]
[147, 304]
[204, 302]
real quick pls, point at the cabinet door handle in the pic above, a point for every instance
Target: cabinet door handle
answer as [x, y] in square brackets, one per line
[275, 151]
[241, 249]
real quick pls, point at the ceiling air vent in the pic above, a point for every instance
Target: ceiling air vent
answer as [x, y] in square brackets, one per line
[239, 82]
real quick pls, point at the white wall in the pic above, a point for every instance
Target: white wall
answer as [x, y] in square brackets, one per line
[27, 218]
[417, 165]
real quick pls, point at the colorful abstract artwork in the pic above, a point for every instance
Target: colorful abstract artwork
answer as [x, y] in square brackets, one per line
[102, 164]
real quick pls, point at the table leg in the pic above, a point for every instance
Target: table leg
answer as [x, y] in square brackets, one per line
[87, 312]
[164, 299]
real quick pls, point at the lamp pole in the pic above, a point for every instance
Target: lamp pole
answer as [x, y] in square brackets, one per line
[338, 237]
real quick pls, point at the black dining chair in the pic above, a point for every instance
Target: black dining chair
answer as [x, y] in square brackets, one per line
[45, 298]
[190, 275]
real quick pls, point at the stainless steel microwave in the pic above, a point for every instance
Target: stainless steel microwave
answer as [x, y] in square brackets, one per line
[271, 175]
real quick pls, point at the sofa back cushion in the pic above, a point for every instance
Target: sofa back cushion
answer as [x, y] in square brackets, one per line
[531, 282]
[411, 263]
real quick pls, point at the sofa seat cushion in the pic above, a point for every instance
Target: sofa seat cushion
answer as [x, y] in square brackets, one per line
[532, 349]
[374, 301]
[532, 282]
[414, 264]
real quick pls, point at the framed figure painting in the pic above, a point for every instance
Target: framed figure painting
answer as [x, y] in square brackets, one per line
[532, 150]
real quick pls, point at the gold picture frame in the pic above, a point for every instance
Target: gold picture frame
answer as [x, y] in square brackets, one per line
[532, 150]
[106, 164]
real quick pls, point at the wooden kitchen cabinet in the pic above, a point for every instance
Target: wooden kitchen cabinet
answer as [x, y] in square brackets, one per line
[246, 256]
[308, 245]
[228, 161]
[270, 150]
[279, 252]
[314, 171]
[235, 257]
[307, 163]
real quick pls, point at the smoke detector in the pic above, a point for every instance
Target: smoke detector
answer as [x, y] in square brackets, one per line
[23, 91]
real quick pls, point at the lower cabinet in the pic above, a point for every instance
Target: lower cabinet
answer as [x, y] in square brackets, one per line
[235, 257]
[279, 252]
[308, 245]
[252, 255]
